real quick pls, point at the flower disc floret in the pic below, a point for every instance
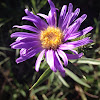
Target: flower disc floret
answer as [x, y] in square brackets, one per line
[51, 38]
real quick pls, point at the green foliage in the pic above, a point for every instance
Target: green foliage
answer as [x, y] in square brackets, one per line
[42, 78]
[37, 5]
[75, 78]
[87, 61]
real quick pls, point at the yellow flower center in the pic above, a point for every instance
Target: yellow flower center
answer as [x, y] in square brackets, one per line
[51, 38]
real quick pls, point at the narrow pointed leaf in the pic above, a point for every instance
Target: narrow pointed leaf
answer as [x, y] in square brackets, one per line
[75, 69]
[41, 88]
[63, 81]
[5, 48]
[87, 61]
[51, 78]
[42, 3]
[42, 78]
[35, 10]
[3, 61]
[76, 78]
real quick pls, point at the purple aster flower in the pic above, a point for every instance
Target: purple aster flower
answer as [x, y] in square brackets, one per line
[51, 39]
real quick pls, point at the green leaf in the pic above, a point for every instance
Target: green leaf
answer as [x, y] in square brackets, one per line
[23, 93]
[42, 78]
[51, 78]
[74, 69]
[86, 68]
[34, 10]
[3, 54]
[4, 22]
[37, 6]
[41, 88]
[86, 61]
[5, 48]
[76, 78]
[44, 65]
[42, 3]
[3, 61]
[62, 80]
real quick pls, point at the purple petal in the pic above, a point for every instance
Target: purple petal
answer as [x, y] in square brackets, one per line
[30, 13]
[28, 27]
[63, 74]
[80, 33]
[19, 45]
[22, 51]
[19, 38]
[68, 17]
[32, 51]
[25, 43]
[38, 61]
[58, 63]
[52, 14]
[72, 29]
[28, 54]
[20, 59]
[36, 20]
[39, 23]
[62, 15]
[76, 56]
[24, 34]
[50, 59]
[74, 44]
[74, 51]
[28, 39]
[75, 14]
[70, 8]
[51, 19]
[63, 56]
[52, 6]
[82, 18]
[45, 17]
[66, 22]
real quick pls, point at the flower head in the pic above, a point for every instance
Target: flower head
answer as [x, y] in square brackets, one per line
[51, 39]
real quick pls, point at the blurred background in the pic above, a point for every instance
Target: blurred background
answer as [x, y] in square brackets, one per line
[16, 79]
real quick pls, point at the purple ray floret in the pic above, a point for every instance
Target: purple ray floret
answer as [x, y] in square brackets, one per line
[50, 38]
